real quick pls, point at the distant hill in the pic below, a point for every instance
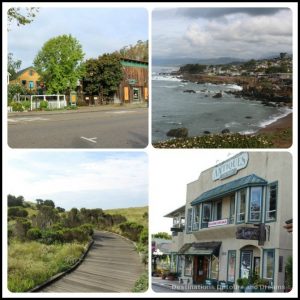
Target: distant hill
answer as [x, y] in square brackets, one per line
[183, 61]
[133, 214]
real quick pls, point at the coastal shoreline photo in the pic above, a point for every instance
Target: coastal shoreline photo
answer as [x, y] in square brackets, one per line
[221, 93]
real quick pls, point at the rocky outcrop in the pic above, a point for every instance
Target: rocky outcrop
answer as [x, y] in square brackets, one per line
[225, 131]
[189, 91]
[178, 132]
[218, 95]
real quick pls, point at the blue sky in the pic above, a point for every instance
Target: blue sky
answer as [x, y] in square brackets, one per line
[238, 32]
[99, 30]
[80, 179]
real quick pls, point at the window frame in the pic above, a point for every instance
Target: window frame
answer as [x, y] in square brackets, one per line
[273, 264]
[237, 205]
[261, 204]
[274, 183]
[228, 253]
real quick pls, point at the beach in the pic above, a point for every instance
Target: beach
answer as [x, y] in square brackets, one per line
[279, 125]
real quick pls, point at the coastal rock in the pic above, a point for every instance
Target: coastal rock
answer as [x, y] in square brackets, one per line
[248, 117]
[206, 132]
[178, 132]
[183, 80]
[189, 91]
[226, 130]
[218, 95]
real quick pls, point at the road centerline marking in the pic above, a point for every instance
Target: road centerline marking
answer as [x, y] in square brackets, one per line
[89, 139]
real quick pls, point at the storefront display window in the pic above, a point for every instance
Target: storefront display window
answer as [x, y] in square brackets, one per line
[245, 267]
[188, 263]
[214, 272]
[268, 264]
[231, 266]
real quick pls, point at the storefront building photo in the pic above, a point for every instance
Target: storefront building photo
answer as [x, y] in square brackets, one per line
[231, 230]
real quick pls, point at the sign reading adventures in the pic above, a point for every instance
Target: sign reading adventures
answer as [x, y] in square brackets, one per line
[230, 167]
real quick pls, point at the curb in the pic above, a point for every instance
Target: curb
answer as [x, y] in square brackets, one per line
[38, 113]
[167, 286]
[59, 275]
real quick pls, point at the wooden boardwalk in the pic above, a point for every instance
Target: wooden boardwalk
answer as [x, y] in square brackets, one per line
[111, 265]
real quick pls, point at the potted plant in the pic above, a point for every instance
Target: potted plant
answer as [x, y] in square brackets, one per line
[242, 283]
[261, 285]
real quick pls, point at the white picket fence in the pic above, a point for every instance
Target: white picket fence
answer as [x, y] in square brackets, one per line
[54, 101]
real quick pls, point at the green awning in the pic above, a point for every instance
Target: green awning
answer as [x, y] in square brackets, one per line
[205, 248]
[227, 188]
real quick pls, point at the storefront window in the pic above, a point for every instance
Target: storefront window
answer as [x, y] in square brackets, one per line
[206, 214]
[188, 263]
[214, 272]
[241, 205]
[255, 203]
[231, 265]
[271, 202]
[268, 264]
[189, 220]
[245, 267]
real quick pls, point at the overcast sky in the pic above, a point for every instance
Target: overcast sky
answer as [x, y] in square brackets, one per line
[99, 30]
[80, 179]
[170, 172]
[221, 32]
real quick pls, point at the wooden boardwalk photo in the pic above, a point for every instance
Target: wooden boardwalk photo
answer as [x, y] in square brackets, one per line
[111, 265]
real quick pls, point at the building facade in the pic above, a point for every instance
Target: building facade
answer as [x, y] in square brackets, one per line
[134, 86]
[28, 78]
[232, 225]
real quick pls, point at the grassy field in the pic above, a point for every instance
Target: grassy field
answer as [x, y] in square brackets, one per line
[133, 214]
[32, 263]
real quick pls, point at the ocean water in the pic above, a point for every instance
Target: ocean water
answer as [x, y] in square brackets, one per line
[199, 112]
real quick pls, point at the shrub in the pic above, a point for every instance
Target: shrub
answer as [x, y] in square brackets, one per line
[26, 104]
[144, 236]
[13, 90]
[17, 212]
[16, 106]
[131, 230]
[50, 236]
[43, 104]
[141, 285]
[34, 234]
[21, 227]
[87, 228]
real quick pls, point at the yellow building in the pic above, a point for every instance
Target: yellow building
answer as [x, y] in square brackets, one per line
[29, 78]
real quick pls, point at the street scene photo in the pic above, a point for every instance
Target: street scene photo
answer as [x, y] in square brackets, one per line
[228, 224]
[222, 77]
[80, 81]
[81, 227]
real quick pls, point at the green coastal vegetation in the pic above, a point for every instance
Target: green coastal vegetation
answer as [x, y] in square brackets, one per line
[44, 239]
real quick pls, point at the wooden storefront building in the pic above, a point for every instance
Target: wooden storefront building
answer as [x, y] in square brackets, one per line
[134, 86]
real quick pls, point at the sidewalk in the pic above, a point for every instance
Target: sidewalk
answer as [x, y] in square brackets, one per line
[80, 109]
[174, 285]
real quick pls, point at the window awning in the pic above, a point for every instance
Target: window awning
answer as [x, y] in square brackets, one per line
[229, 187]
[205, 248]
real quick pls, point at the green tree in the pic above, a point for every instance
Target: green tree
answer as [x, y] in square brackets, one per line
[21, 16]
[15, 201]
[162, 235]
[13, 66]
[139, 51]
[59, 63]
[103, 75]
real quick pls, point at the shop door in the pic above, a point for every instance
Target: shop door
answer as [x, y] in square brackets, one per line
[200, 269]
[136, 95]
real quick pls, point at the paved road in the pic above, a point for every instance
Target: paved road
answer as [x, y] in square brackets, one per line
[126, 128]
[111, 265]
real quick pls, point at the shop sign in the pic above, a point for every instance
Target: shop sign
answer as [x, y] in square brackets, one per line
[231, 166]
[246, 233]
[218, 223]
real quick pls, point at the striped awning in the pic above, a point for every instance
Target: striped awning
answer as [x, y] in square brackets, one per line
[227, 188]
